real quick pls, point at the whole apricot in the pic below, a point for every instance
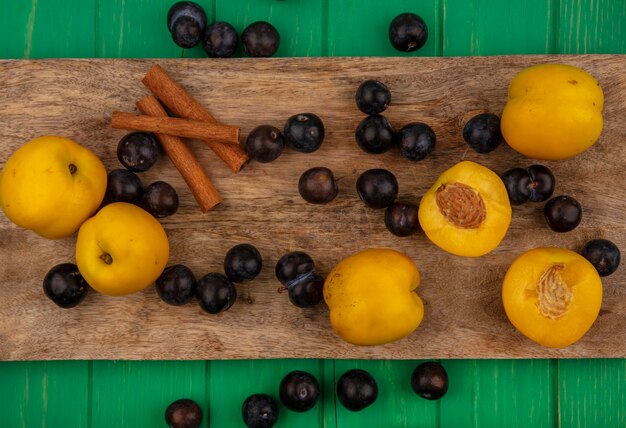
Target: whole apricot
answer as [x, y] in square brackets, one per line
[554, 111]
[372, 299]
[121, 250]
[51, 185]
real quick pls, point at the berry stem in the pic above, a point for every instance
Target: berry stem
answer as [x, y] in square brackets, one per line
[106, 258]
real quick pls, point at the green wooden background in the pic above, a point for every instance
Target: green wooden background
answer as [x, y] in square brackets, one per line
[483, 393]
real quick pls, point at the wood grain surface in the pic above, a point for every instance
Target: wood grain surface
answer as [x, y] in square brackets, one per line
[464, 317]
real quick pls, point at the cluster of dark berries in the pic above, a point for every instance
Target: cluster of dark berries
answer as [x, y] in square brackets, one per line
[138, 152]
[214, 291]
[299, 391]
[302, 132]
[536, 184]
[296, 272]
[187, 23]
[357, 389]
[562, 213]
[375, 134]
[378, 188]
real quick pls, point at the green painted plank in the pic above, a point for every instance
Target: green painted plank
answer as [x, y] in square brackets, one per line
[138, 29]
[515, 393]
[595, 26]
[136, 393]
[457, 406]
[47, 29]
[299, 23]
[592, 393]
[493, 393]
[45, 394]
[231, 382]
[396, 405]
[479, 27]
[511, 393]
[17, 32]
[361, 28]
[328, 391]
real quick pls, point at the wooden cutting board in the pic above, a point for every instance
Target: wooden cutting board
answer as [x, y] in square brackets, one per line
[464, 317]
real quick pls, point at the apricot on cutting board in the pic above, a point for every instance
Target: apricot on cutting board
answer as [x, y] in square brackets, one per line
[372, 297]
[51, 185]
[552, 296]
[121, 250]
[554, 111]
[467, 211]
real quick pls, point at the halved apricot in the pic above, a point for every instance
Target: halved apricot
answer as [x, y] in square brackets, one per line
[552, 296]
[467, 211]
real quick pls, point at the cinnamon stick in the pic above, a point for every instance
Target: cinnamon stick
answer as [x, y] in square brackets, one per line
[182, 104]
[175, 126]
[183, 159]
